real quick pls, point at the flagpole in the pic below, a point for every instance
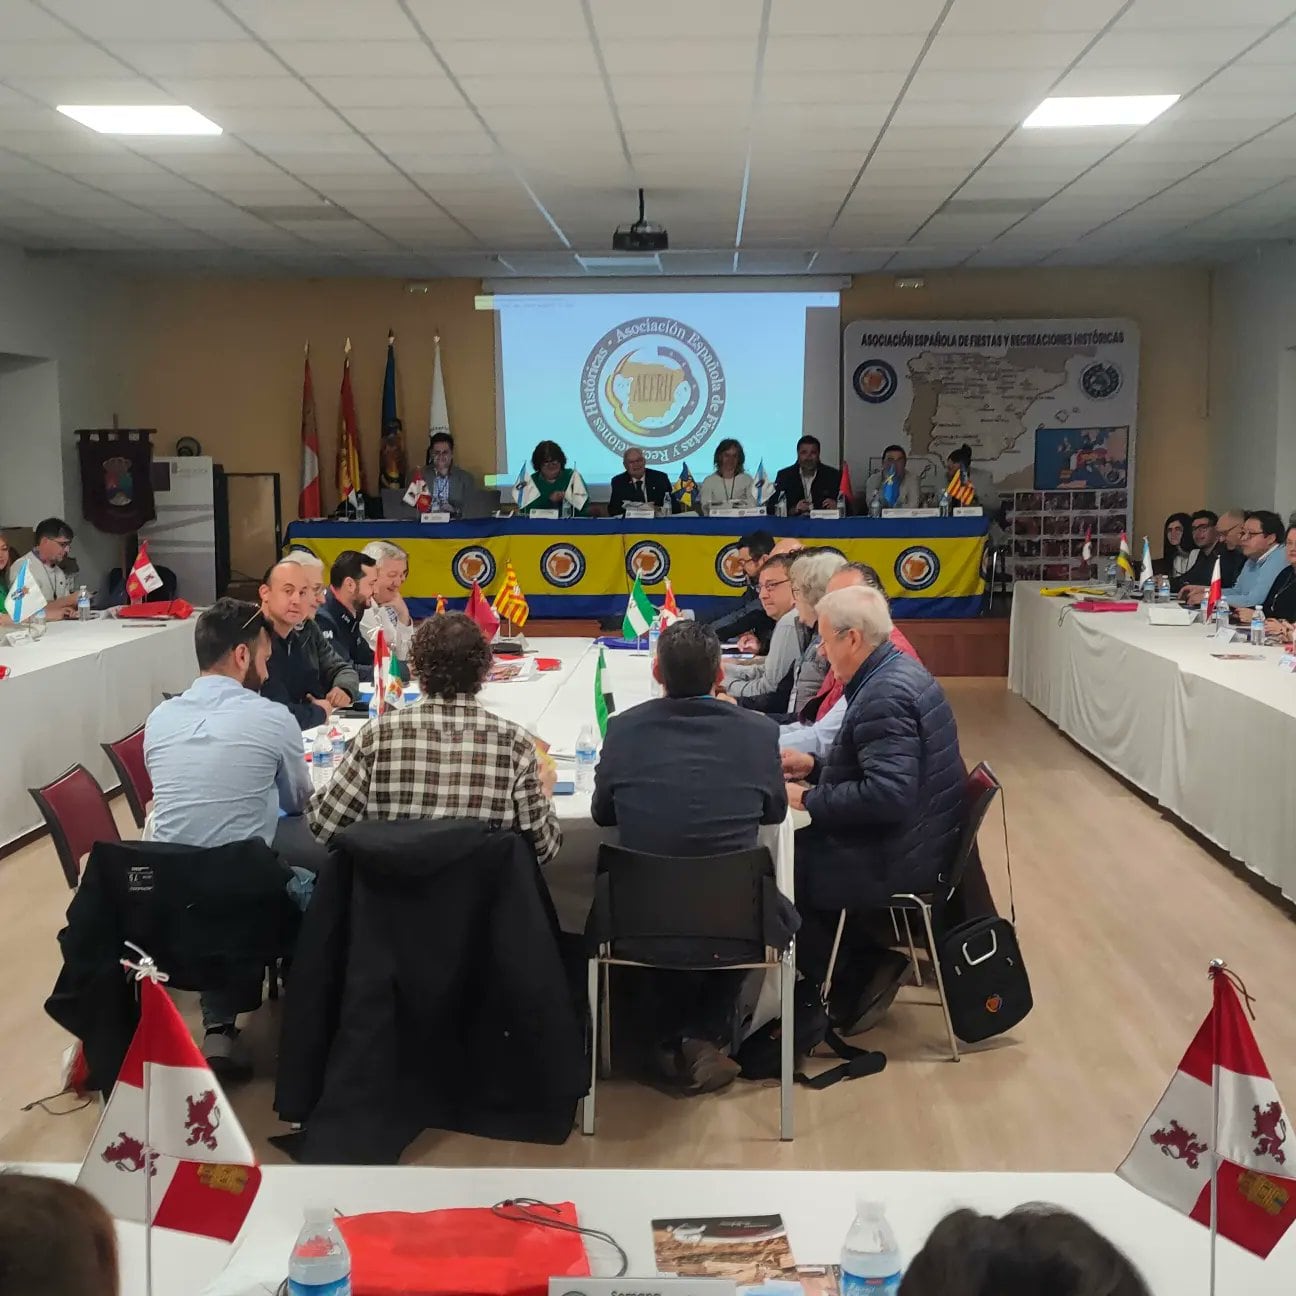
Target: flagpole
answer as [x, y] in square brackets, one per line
[148, 1184]
[1216, 966]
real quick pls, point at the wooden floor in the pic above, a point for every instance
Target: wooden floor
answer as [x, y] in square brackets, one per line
[1120, 912]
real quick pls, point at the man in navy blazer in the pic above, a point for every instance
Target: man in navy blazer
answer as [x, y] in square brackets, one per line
[690, 775]
[639, 484]
[807, 483]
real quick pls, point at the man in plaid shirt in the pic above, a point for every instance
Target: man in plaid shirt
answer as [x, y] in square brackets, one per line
[445, 757]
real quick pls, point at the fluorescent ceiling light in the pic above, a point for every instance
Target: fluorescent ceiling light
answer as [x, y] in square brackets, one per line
[141, 119]
[1099, 110]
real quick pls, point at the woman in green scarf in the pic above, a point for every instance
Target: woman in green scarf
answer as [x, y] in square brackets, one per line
[551, 478]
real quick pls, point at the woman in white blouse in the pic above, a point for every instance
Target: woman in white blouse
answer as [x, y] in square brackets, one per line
[728, 484]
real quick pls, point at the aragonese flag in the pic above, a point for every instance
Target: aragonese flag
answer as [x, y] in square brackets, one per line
[638, 614]
[510, 602]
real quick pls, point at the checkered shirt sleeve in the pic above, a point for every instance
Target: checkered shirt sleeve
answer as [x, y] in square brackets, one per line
[440, 760]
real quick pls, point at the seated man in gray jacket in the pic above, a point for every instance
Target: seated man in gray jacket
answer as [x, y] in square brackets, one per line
[764, 685]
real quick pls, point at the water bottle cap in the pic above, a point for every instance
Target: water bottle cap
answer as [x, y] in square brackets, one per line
[867, 1209]
[319, 1214]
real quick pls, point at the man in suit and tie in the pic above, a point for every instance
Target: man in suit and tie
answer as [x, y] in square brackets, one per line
[639, 484]
[807, 483]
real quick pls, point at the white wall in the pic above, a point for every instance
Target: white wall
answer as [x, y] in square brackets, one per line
[1253, 382]
[64, 333]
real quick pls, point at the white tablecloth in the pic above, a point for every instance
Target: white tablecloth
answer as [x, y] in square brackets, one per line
[1212, 740]
[817, 1207]
[83, 684]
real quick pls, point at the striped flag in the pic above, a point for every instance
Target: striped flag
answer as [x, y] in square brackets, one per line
[603, 704]
[638, 614]
[202, 1176]
[960, 488]
[25, 598]
[309, 504]
[389, 691]
[510, 602]
[1213, 594]
[1123, 557]
[350, 480]
[1183, 1139]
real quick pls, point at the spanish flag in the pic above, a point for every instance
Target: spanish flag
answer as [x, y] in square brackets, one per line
[510, 602]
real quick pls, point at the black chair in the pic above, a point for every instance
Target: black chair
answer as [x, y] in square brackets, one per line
[692, 914]
[980, 790]
[996, 574]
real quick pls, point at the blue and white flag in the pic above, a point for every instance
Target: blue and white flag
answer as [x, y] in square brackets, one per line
[1145, 574]
[762, 487]
[25, 597]
[524, 489]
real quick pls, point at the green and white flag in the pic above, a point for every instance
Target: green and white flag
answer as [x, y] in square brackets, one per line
[639, 613]
[603, 704]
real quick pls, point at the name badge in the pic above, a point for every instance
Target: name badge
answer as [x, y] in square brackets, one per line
[654, 1286]
[640, 512]
[434, 517]
[968, 510]
[547, 514]
[824, 515]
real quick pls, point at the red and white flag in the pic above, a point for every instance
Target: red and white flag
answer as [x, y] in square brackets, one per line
[482, 612]
[143, 578]
[1216, 591]
[308, 501]
[1086, 551]
[204, 1174]
[417, 494]
[670, 612]
[1171, 1158]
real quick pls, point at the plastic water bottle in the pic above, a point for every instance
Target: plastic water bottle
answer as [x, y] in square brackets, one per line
[841, 504]
[1222, 618]
[1112, 572]
[654, 633]
[338, 740]
[1148, 590]
[875, 505]
[1257, 629]
[870, 1261]
[946, 504]
[586, 758]
[780, 505]
[321, 757]
[83, 604]
[320, 1264]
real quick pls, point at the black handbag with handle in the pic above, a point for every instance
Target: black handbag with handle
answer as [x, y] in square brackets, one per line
[986, 985]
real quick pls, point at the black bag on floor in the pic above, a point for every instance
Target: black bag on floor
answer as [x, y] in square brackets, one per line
[985, 978]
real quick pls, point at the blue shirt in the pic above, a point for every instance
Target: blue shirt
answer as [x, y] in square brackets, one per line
[1256, 578]
[223, 760]
[815, 738]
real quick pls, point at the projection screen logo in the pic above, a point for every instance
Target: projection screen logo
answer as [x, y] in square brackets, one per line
[654, 383]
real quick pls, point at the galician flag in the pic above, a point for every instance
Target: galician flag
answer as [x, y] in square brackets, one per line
[201, 1173]
[25, 597]
[638, 614]
[762, 487]
[1172, 1157]
[1213, 595]
[525, 492]
[1123, 558]
[142, 579]
[670, 612]
[577, 495]
[1145, 571]
[1086, 552]
[603, 704]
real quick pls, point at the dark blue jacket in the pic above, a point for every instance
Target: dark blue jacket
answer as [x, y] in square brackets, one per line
[887, 808]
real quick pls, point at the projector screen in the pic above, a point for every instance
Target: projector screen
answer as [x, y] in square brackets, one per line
[672, 373]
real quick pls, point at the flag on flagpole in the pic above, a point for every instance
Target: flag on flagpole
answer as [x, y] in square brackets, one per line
[1173, 1156]
[389, 689]
[960, 488]
[480, 611]
[25, 597]
[438, 413]
[603, 704]
[670, 612]
[638, 614]
[440, 605]
[1213, 595]
[684, 492]
[525, 491]
[845, 487]
[1086, 551]
[350, 472]
[1145, 573]
[202, 1173]
[577, 495]
[391, 434]
[142, 578]
[510, 602]
[309, 504]
[1123, 557]
[417, 494]
[762, 487]
[890, 486]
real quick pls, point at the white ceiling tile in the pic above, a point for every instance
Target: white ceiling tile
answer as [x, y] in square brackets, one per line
[61, 58]
[24, 22]
[1088, 79]
[664, 54]
[484, 19]
[1280, 48]
[216, 93]
[714, 88]
[172, 59]
[827, 55]
[392, 120]
[846, 87]
[852, 17]
[538, 93]
[146, 19]
[1171, 48]
[310, 58]
[388, 92]
[1174, 15]
[622, 19]
[286, 20]
[504, 57]
[943, 85]
[1021, 49]
[75, 89]
[978, 16]
[1004, 113]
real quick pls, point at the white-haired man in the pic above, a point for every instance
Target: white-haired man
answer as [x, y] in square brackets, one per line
[886, 802]
[315, 566]
[388, 611]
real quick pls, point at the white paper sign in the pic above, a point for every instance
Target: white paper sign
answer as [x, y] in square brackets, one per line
[548, 514]
[434, 517]
[824, 515]
[640, 512]
[911, 513]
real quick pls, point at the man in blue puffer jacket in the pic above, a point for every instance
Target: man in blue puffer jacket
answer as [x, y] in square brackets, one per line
[886, 804]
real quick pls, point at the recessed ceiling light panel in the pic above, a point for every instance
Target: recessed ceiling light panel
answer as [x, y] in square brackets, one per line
[1098, 110]
[141, 119]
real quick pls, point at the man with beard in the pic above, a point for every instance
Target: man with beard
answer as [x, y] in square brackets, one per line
[224, 761]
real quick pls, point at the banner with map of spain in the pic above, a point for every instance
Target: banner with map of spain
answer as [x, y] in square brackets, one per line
[1063, 389]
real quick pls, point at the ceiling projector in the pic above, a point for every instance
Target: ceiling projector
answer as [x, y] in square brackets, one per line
[642, 236]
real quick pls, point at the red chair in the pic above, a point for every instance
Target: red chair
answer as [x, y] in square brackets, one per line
[127, 757]
[77, 812]
[980, 790]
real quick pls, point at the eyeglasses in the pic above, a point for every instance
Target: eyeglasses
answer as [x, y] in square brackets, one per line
[255, 615]
[1201, 526]
[1251, 535]
[772, 585]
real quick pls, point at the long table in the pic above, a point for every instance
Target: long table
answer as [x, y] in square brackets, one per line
[1210, 739]
[83, 684]
[816, 1205]
[584, 567]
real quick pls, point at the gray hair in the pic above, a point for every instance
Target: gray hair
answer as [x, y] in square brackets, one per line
[303, 558]
[812, 571]
[858, 607]
[384, 551]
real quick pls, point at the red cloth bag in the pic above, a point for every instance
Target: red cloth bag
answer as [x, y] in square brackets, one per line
[176, 610]
[463, 1252]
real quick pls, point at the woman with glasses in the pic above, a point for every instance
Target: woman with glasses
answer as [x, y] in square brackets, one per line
[729, 484]
[1280, 604]
[552, 478]
[1178, 553]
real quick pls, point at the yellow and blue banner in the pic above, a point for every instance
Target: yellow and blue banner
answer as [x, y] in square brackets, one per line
[586, 567]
